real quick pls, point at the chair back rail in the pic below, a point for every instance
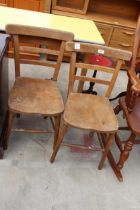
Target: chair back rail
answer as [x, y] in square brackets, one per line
[98, 49]
[38, 32]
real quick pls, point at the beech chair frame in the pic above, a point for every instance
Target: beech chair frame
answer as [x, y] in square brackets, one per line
[105, 134]
[33, 38]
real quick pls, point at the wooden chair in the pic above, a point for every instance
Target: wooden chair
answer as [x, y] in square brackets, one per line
[86, 111]
[33, 96]
[130, 104]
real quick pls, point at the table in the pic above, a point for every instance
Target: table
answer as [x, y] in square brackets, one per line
[3, 88]
[83, 30]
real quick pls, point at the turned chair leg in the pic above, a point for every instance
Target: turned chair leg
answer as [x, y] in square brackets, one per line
[106, 150]
[8, 130]
[58, 142]
[125, 153]
[57, 126]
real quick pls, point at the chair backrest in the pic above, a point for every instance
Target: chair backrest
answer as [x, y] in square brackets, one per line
[133, 87]
[86, 49]
[34, 38]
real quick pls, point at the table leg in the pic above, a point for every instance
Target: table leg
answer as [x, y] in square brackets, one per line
[91, 86]
[81, 83]
[1, 153]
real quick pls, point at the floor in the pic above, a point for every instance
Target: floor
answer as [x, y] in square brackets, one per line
[28, 181]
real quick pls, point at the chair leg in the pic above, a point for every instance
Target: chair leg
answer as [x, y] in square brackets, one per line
[8, 130]
[58, 142]
[107, 147]
[125, 153]
[52, 122]
[118, 142]
[57, 126]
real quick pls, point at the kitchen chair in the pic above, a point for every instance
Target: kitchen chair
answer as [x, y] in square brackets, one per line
[86, 111]
[130, 104]
[34, 96]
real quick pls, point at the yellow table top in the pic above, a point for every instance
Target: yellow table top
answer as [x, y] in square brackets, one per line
[84, 30]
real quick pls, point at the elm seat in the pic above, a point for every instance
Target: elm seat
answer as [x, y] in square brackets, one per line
[78, 114]
[32, 95]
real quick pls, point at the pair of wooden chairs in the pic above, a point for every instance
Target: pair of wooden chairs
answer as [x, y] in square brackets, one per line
[32, 96]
